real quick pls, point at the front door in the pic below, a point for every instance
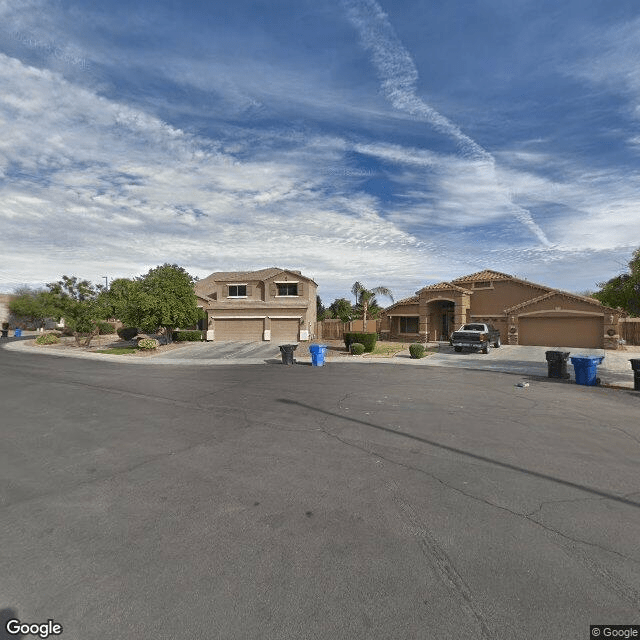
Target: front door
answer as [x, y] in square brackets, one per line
[447, 324]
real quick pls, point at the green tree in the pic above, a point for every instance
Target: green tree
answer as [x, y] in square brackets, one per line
[33, 306]
[321, 311]
[163, 297]
[366, 298]
[624, 290]
[341, 308]
[81, 305]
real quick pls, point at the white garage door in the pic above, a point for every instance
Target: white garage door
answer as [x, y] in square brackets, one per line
[562, 332]
[284, 330]
[239, 329]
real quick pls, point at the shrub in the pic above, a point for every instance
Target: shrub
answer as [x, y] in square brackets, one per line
[187, 336]
[47, 338]
[127, 333]
[367, 339]
[106, 328]
[417, 351]
[148, 344]
[356, 348]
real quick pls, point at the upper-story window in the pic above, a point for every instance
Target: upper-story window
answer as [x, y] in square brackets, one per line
[482, 284]
[237, 290]
[287, 288]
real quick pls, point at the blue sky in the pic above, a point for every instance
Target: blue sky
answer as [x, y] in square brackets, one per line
[395, 143]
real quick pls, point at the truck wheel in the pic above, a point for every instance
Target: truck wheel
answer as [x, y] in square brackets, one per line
[458, 349]
[497, 343]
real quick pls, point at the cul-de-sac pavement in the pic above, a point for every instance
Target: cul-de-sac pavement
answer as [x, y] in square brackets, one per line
[355, 501]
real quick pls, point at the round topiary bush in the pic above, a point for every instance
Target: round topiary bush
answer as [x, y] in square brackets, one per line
[148, 344]
[417, 351]
[47, 338]
[356, 349]
[127, 333]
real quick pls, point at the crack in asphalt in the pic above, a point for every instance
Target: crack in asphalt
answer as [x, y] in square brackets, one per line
[485, 501]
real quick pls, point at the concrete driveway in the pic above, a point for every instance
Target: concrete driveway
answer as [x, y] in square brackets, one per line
[615, 368]
[226, 352]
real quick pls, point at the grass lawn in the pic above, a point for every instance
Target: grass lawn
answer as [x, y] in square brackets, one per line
[118, 351]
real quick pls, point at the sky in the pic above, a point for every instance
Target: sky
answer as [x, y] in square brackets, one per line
[393, 142]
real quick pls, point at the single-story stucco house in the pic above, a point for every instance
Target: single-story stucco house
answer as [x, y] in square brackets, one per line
[526, 313]
[248, 306]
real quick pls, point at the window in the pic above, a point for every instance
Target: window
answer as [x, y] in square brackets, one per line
[237, 290]
[482, 284]
[408, 324]
[287, 288]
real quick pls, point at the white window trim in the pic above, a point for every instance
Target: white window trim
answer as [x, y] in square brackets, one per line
[277, 282]
[237, 284]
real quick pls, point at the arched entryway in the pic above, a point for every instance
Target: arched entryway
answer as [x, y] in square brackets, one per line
[441, 321]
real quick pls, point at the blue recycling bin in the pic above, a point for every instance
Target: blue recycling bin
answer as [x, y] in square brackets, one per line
[317, 354]
[586, 369]
[18, 333]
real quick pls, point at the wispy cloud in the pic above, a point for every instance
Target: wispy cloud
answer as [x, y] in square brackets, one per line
[399, 77]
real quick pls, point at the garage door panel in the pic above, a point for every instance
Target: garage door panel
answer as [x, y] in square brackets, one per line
[562, 332]
[284, 330]
[239, 330]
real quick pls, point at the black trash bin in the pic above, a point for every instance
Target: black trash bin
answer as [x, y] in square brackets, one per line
[635, 365]
[287, 353]
[557, 364]
[5, 333]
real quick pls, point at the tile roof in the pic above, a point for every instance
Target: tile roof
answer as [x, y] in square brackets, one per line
[487, 274]
[564, 294]
[410, 300]
[238, 276]
[444, 286]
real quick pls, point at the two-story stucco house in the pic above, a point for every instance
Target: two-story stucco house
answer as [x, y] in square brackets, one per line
[249, 306]
[526, 313]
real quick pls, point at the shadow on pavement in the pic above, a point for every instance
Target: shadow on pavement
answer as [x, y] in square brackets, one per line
[467, 454]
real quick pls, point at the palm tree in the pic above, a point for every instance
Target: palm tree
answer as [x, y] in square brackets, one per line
[356, 289]
[367, 295]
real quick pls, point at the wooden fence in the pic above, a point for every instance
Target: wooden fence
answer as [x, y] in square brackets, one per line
[630, 330]
[334, 329]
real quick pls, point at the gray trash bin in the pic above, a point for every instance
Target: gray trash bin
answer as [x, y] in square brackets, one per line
[287, 353]
[557, 364]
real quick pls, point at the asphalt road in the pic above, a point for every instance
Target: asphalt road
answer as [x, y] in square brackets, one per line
[342, 502]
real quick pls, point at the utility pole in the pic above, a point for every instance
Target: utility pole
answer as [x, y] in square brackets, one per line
[106, 281]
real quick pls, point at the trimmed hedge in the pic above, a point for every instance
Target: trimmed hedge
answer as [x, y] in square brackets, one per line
[127, 333]
[366, 339]
[47, 338]
[356, 348]
[417, 351]
[187, 336]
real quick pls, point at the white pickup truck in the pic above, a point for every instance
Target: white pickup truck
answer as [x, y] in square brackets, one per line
[475, 335]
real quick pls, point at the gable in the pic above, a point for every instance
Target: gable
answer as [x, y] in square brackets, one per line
[559, 301]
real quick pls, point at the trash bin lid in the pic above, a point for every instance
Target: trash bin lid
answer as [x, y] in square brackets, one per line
[584, 360]
[317, 347]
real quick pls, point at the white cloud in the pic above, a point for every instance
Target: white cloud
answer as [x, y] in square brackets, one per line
[399, 79]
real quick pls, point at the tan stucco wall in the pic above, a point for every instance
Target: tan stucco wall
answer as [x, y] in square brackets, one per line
[503, 295]
[4, 306]
[261, 302]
